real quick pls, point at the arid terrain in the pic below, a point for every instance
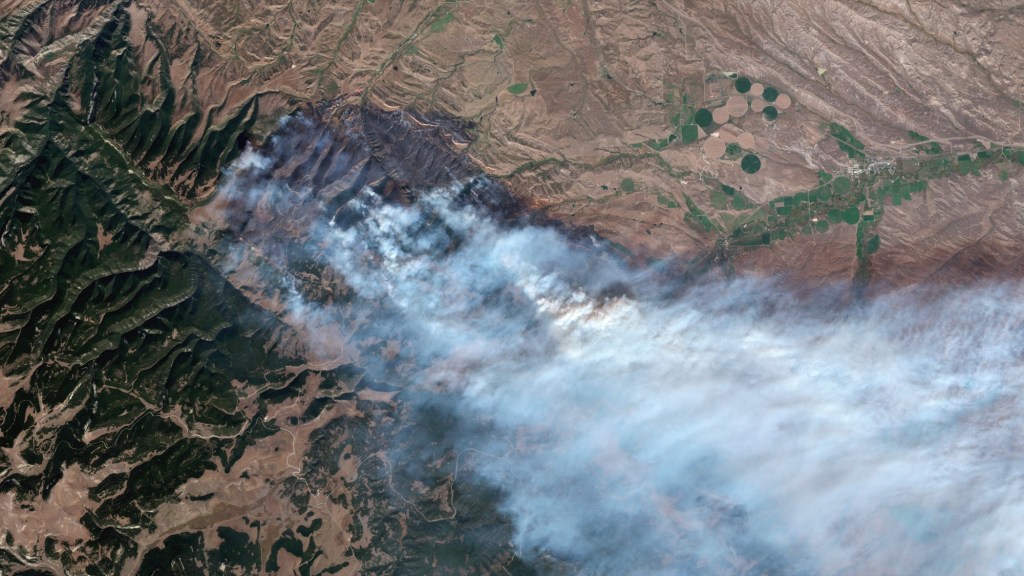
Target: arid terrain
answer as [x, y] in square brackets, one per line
[160, 401]
[566, 99]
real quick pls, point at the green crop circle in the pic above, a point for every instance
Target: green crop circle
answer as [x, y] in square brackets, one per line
[750, 164]
[770, 94]
[743, 85]
[703, 118]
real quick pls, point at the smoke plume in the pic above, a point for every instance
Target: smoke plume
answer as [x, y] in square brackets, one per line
[733, 429]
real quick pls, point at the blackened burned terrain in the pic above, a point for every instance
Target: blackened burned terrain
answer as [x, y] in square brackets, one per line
[319, 159]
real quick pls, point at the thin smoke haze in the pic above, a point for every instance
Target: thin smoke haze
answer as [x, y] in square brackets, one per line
[736, 429]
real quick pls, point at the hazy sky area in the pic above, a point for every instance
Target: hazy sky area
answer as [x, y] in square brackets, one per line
[735, 429]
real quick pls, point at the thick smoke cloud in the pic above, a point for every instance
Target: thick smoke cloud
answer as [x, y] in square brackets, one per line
[736, 429]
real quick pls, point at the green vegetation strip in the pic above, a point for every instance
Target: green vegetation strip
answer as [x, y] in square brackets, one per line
[688, 133]
[441, 23]
[847, 143]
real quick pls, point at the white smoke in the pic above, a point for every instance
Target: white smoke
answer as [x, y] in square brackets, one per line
[736, 429]
[715, 432]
